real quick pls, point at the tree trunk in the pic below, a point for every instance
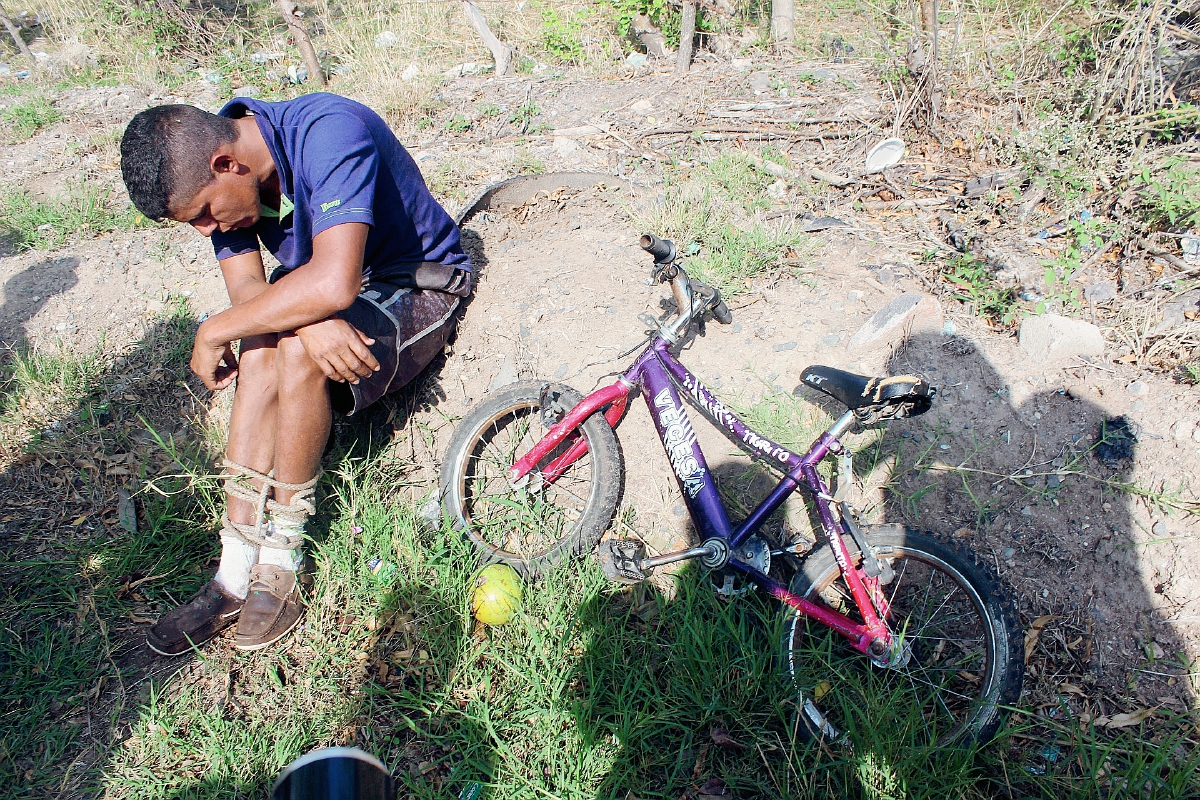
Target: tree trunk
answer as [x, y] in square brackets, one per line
[300, 34]
[783, 21]
[687, 33]
[15, 33]
[501, 53]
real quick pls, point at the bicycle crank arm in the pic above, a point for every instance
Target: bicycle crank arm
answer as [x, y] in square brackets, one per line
[671, 558]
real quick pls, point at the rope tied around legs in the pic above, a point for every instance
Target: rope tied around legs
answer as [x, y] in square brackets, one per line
[238, 484]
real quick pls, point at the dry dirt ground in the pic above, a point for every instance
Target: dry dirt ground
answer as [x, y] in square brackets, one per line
[1002, 462]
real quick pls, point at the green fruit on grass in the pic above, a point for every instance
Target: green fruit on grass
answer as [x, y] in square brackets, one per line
[497, 594]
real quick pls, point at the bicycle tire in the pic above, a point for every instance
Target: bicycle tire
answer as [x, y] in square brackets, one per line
[999, 682]
[592, 509]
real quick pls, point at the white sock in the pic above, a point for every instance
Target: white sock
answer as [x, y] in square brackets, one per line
[237, 557]
[286, 559]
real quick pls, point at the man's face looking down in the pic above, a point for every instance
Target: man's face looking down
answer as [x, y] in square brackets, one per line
[228, 202]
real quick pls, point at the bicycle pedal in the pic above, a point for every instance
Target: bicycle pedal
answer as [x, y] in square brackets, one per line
[619, 558]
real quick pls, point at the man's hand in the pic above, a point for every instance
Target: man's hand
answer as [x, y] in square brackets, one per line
[213, 361]
[341, 351]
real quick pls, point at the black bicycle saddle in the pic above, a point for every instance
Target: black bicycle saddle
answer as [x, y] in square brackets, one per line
[909, 395]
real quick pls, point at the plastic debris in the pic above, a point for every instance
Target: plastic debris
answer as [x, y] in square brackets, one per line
[297, 74]
[1191, 249]
[261, 58]
[885, 154]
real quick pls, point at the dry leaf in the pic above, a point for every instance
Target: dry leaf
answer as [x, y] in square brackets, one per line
[721, 738]
[1035, 630]
[1070, 688]
[1125, 720]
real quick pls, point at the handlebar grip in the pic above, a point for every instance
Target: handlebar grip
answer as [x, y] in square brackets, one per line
[663, 250]
[722, 314]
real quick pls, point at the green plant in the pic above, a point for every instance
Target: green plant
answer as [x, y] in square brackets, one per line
[524, 162]
[29, 117]
[562, 33]
[488, 111]
[660, 12]
[1169, 194]
[458, 124]
[974, 284]
[84, 209]
[524, 115]
[1190, 373]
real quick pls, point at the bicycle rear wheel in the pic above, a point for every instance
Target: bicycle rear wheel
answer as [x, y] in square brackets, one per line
[534, 526]
[963, 641]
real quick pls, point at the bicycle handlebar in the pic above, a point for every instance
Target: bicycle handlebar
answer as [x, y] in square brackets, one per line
[663, 250]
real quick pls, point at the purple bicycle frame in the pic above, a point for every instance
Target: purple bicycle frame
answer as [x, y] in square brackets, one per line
[658, 374]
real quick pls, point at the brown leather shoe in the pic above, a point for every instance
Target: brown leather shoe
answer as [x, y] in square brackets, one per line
[272, 608]
[211, 611]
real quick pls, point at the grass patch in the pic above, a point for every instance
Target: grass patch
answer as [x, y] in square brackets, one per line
[83, 210]
[29, 116]
[711, 214]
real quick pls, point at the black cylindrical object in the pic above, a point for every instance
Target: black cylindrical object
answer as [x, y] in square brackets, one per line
[663, 250]
[335, 773]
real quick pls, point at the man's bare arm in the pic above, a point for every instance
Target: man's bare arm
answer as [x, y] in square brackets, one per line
[328, 283]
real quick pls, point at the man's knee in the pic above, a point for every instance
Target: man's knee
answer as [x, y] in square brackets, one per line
[294, 366]
[256, 364]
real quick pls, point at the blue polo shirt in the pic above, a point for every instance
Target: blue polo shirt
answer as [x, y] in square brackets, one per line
[339, 162]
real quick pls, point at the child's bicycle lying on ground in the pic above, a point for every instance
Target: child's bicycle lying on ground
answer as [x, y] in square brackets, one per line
[533, 477]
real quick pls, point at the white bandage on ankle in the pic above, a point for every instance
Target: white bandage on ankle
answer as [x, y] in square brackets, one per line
[237, 557]
[287, 559]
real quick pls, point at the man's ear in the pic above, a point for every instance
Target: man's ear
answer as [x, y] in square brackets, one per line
[223, 162]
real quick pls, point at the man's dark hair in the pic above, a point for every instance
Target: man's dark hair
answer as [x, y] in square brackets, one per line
[165, 155]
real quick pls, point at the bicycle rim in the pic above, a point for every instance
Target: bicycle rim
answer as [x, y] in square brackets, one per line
[949, 687]
[524, 521]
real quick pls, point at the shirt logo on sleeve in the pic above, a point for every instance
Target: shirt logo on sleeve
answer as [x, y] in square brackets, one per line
[331, 204]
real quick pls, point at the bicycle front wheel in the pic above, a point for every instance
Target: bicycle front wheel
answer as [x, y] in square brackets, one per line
[539, 523]
[960, 640]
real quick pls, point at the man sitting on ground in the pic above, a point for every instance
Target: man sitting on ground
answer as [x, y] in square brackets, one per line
[372, 273]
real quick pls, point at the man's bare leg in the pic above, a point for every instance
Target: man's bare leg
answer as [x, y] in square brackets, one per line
[252, 433]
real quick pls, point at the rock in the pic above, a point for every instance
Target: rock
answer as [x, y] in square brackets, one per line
[1008, 553]
[854, 295]
[642, 107]
[778, 190]
[636, 60]
[1160, 529]
[561, 372]
[565, 146]
[904, 314]
[386, 40]
[831, 339]
[1138, 389]
[1053, 481]
[246, 91]
[1081, 391]
[1196, 435]
[779, 348]
[1100, 292]
[505, 375]
[760, 83]
[949, 328]
[1182, 430]
[741, 64]
[1051, 338]
[410, 73]
[1172, 317]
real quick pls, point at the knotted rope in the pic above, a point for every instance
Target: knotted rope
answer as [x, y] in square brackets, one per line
[238, 484]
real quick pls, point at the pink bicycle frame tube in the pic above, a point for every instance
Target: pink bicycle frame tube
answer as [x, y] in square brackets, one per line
[618, 391]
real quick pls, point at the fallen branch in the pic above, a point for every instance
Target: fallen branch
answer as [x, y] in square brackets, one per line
[299, 32]
[15, 33]
[501, 53]
[1170, 258]
[822, 121]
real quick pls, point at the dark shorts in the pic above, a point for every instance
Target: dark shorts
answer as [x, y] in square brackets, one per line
[410, 327]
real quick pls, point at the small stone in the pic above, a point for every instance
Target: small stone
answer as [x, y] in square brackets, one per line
[678, 510]
[523, 332]
[386, 40]
[1008, 553]
[1182, 430]
[1196, 435]
[949, 328]
[760, 83]
[410, 73]
[1100, 292]
[779, 348]
[741, 64]
[1137, 405]
[1160, 529]
[737, 327]
[1051, 338]
[778, 190]
[1053, 481]
[943, 447]
[636, 60]
[246, 91]
[892, 322]
[1138, 389]
[505, 375]
[642, 107]
[831, 339]
[560, 372]
[886, 276]
[854, 295]
[1026, 512]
